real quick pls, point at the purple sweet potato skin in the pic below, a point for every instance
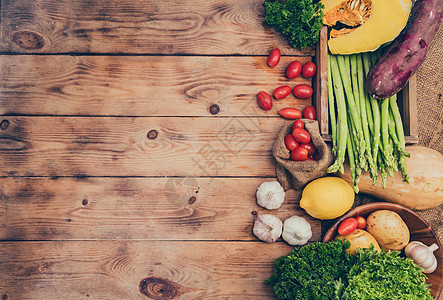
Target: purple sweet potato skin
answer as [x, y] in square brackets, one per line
[403, 57]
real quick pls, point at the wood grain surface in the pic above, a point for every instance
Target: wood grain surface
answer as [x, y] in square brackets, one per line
[115, 146]
[132, 145]
[132, 270]
[139, 27]
[142, 85]
[136, 208]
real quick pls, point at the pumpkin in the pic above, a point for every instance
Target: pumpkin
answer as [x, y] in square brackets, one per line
[364, 25]
[425, 188]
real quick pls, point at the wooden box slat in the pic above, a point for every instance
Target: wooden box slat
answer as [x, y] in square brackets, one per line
[407, 98]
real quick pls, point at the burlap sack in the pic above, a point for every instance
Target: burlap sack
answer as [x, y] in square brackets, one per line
[296, 174]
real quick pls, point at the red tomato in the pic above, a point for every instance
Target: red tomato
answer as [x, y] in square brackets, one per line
[310, 113]
[310, 158]
[282, 92]
[298, 124]
[361, 222]
[301, 136]
[290, 142]
[347, 226]
[299, 154]
[274, 57]
[302, 91]
[293, 69]
[264, 100]
[310, 147]
[290, 113]
[309, 69]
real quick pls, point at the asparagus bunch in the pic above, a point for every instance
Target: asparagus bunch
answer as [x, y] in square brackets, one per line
[368, 130]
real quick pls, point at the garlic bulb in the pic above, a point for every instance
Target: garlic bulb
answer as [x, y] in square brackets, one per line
[422, 255]
[268, 228]
[270, 195]
[296, 231]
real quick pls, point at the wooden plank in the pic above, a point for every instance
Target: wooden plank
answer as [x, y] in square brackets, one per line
[117, 270]
[409, 108]
[147, 27]
[151, 146]
[136, 208]
[320, 83]
[141, 86]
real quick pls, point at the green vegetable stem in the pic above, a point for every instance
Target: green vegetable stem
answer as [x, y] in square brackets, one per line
[367, 130]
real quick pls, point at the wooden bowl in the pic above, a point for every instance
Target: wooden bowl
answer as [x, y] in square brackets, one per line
[419, 230]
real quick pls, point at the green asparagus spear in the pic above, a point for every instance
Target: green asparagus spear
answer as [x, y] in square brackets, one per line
[355, 118]
[342, 128]
[332, 109]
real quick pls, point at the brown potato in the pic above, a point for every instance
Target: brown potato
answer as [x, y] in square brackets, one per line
[389, 229]
[359, 239]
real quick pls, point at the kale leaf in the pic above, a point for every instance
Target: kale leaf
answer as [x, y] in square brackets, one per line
[311, 271]
[300, 21]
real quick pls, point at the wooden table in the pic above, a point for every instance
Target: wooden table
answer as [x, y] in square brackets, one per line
[131, 147]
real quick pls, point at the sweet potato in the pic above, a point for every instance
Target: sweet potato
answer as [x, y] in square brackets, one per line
[403, 57]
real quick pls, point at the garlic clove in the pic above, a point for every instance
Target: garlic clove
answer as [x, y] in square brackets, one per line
[270, 195]
[422, 255]
[267, 228]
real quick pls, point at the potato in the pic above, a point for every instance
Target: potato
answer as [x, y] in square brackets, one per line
[359, 239]
[389, 229]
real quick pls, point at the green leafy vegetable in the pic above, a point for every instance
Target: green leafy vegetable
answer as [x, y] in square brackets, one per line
[311, 271]
[385, 275]
[327, 271]
[300, 21]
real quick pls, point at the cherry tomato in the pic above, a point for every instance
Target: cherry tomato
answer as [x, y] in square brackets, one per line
[298, 124]
[310, 147]
[310, 113]
[293, 69]
[290, 113]
[264, 100]
[302, 91]
[308, 69]
[274, 57]
[290, 142]
[361, 222]
[347, 226]
[282, 92]
[301, 136]
[310, 158]
[299, 154]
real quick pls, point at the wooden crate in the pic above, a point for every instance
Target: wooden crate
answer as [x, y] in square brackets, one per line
[407, 98]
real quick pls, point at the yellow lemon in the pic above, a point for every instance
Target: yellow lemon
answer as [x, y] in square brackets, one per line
[327, 198]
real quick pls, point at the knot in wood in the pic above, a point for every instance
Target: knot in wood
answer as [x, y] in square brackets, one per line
[159, 288]
[192, 200]
[4, 124]
[214, 109]
[152, 134]
[28, 40]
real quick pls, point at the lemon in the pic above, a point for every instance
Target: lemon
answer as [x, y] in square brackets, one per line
[327, 198]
